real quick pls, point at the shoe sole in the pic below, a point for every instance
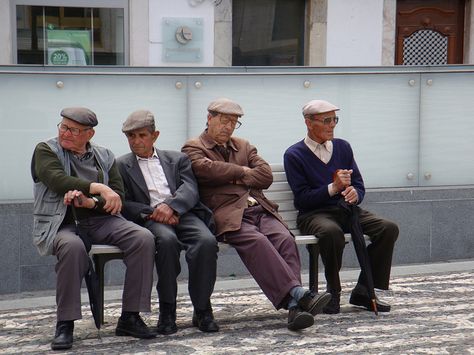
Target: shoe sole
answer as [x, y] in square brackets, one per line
[126, 333]
[196, 324]
[320, 303]
[302, 321]
[357, 302]
[61, 347]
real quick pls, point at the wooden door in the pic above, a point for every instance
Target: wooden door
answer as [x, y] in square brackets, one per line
[429, 32]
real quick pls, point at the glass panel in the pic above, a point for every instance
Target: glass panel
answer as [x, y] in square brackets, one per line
[112, 97]
[268, 32]
[446, 147]
[384, 136]
[74, 36]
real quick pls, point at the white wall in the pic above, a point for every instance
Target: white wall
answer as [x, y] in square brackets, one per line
[5, 33]
[158, 9]
[354, 32]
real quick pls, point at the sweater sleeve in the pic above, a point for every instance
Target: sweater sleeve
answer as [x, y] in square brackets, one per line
[49, 170]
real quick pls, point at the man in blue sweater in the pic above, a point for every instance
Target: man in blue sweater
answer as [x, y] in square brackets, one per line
[321, 170]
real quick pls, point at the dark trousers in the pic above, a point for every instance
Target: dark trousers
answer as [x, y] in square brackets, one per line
[73, 262]
[200, 245]
[330, 224]
[269, 252]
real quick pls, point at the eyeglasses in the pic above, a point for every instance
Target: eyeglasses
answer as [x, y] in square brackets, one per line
[327, 120]
[226, 120]
[63, 128]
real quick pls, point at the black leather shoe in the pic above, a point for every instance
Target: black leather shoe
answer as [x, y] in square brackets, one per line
[204, 320]
[298, 319]
[363, 300]
[133, 326]
[63, 337]
[167, 319]
[314, 303]
[334, 305]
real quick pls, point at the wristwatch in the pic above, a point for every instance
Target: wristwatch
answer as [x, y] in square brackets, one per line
[96, 202]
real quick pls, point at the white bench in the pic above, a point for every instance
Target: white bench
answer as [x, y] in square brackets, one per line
[278, 192]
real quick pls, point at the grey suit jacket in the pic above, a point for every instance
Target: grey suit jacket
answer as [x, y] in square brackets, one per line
[183, 186]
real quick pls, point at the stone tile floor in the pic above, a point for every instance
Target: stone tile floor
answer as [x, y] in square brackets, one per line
[431, 314]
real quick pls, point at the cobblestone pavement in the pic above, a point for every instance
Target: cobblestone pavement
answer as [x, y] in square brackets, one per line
[431, 314]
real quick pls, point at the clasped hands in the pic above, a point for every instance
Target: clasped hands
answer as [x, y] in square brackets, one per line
[113, 202]
[164, 214]
[342, 182]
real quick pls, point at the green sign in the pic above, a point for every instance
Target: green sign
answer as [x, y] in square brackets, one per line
[69, 47]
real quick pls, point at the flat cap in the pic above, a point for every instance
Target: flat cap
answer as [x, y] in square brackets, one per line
[80, 115]
[138, 119]
[227, 106]
[318, 106]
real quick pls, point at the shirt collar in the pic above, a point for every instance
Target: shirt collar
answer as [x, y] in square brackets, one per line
[153, 156]
[313, 145]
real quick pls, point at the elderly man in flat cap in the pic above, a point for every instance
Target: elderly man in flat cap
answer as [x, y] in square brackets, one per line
[75, 178]
[161, 194]
[321, 170]
[231, 176]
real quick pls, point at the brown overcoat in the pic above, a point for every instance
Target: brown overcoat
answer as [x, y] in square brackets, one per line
[223, 187]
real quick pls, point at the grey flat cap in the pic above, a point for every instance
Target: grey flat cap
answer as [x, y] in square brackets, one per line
[318, 106]
[137, 120]
[227, 106]
[80, 115]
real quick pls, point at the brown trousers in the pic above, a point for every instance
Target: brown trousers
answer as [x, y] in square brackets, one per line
[138, 246]
[330, 224]
[269, 252]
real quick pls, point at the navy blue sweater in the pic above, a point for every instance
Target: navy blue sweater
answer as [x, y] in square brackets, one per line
[309, 177]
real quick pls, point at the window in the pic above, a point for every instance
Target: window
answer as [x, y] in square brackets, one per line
[63, 35]
[268, 32]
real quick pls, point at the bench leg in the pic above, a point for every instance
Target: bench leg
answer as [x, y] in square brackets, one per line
[99, 263]
[313, 250]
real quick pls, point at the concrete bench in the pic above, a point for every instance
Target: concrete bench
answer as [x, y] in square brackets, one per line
[279, 192]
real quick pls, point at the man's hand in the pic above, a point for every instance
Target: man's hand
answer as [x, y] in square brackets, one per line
[164, 214]
[342, 179]
[113, 202]
[78, 199]
[350, 195]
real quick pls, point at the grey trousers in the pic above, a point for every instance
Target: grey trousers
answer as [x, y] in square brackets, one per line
[136, 242]
[200, 245]
[329, 225]
[269, 252]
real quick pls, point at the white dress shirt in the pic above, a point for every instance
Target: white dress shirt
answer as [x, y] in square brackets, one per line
[155, 179]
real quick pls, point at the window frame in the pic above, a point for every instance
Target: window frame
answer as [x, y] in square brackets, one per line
[123, 4]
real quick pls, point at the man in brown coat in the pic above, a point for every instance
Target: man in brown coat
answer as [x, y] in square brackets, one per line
[231, 176]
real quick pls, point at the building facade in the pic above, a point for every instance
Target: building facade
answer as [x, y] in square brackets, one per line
[236, 32]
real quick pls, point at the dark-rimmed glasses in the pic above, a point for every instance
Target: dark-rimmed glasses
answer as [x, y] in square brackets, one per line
[226, 120]
[63, 128]
[326, 121]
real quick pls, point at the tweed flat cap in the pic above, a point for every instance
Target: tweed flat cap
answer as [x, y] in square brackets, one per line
[138, 119]
[227, 106]
[318, 106]
[80, 115]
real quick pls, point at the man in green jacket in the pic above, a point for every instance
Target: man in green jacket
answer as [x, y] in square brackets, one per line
[70, 172]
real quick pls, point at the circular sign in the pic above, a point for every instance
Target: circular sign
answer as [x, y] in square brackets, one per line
[59, 57]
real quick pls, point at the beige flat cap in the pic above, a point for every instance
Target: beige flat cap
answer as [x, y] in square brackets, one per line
[80, 115]
[138, 119]
[318, 106]
[227, 106]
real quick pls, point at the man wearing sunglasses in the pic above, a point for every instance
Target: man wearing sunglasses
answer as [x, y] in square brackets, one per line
[321, 170]
[231, 176]
[77, 180]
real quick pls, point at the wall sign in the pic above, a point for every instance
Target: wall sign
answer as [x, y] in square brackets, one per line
[182, 39]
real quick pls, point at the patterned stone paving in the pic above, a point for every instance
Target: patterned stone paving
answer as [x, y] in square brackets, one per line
[431, 314]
